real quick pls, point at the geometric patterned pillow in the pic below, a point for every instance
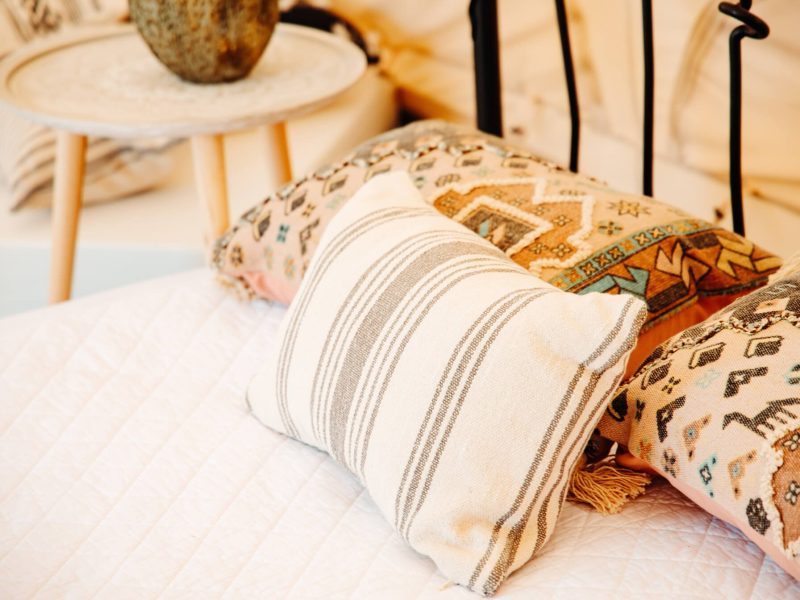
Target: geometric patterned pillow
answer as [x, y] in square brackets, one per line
[716, 410]
[567, 229]
[269, 249]
[114, 168]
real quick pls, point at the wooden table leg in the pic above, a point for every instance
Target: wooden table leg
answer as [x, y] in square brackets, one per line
[278, 160]
[209, 174]
[67, 196]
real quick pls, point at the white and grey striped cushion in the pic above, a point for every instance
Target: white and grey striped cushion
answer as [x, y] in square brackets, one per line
[460, 389]
[114, 168]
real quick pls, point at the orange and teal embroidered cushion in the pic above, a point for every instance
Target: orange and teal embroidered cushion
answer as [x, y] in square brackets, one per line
[569, 230]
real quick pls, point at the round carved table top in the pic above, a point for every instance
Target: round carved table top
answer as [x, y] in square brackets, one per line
[105, 81]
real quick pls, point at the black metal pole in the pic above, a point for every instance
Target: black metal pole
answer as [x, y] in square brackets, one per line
[486, 48]
[572, 90]
[649, 97]
[735, 129]
[755, 28]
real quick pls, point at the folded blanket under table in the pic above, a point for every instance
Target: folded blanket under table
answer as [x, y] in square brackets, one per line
[130, 468]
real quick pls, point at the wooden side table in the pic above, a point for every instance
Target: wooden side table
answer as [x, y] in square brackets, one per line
[105, 82]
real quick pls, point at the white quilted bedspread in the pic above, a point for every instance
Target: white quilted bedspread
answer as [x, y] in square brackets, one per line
[129, 468]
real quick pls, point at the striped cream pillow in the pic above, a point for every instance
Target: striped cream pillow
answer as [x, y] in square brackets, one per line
[460, 389]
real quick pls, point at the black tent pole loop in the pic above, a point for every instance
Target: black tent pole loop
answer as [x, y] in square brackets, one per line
[649, 97]
[486, 52]
[572, 90]
[755, 28]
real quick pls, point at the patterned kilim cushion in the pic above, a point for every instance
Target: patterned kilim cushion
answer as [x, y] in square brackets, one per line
[459, 389]
[27, 150]
[716, 409]
[567, 229]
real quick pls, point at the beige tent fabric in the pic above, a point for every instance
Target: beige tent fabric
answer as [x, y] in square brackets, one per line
[428, 57]
[692, 84]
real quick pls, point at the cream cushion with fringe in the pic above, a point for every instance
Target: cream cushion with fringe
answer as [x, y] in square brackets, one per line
[458, 388]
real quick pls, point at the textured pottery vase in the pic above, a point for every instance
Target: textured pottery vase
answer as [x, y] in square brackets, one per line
[206, 41]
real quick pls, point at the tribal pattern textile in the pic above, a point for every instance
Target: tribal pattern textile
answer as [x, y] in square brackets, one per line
[717, 410]
[565, 228]
[268, 251]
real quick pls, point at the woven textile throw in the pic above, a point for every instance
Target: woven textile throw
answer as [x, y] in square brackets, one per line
[717, 411]
[570, 230]
[457, 387]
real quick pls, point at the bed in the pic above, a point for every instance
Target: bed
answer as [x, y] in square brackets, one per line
[132, 469]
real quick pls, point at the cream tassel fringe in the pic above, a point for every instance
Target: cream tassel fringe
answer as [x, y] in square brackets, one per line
[605, 486]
